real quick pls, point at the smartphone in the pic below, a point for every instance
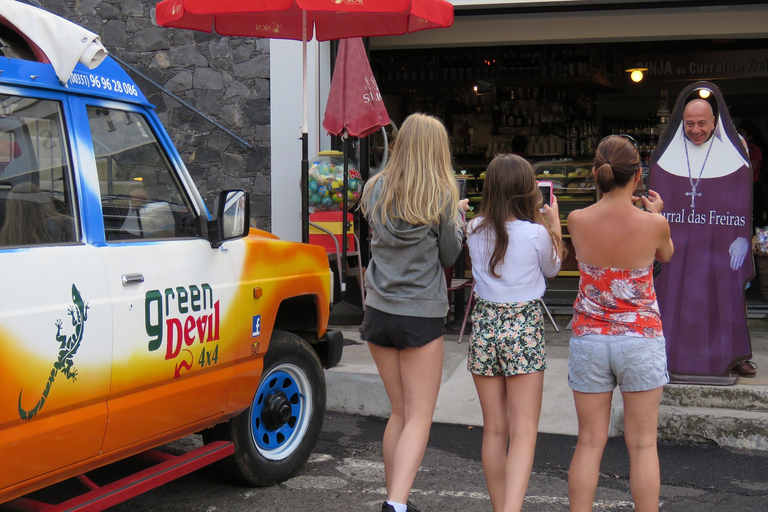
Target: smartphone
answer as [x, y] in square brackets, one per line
[545, 187]
[462, 184]
[646, 177]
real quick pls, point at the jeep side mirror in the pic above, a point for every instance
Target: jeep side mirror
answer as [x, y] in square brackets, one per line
[233, 213]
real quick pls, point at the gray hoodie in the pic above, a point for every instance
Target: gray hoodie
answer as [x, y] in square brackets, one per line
[405, 275]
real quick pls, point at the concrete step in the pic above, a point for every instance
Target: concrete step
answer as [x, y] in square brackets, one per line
[742, 397]
[731, 428]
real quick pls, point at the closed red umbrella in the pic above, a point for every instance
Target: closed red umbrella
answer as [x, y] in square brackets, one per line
[354, 102]
[300, 20]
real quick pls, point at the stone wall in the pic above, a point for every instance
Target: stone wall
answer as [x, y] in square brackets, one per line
[225, 78]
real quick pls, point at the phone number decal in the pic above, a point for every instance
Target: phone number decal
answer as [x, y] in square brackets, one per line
[103, 83]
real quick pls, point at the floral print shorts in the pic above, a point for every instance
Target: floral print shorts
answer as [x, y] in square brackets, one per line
[507, 338]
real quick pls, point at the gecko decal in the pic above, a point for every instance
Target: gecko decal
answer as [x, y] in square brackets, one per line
[69, 345]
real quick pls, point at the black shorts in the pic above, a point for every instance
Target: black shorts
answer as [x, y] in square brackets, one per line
[399, 331]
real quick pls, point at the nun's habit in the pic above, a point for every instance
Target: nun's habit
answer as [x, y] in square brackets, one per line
[707, 194]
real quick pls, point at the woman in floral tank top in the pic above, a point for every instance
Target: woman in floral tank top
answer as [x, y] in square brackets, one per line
[616, 301]
[617, 332]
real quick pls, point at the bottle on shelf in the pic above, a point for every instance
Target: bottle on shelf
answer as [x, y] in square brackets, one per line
[573, 149]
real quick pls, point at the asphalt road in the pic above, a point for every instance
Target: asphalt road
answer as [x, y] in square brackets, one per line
[346, 474]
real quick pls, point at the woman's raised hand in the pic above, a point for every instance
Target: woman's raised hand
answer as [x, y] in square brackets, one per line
[652, 202]
[553, 215]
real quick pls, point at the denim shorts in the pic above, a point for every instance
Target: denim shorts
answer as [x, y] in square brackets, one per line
[597, 363]
[399, 331]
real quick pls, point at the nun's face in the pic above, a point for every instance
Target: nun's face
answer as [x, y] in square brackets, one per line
[699, 122]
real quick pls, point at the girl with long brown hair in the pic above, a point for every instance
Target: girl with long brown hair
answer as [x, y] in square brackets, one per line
[514, 247]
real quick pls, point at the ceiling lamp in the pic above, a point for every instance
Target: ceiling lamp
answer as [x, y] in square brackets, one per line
[704, 93]
[636, 74]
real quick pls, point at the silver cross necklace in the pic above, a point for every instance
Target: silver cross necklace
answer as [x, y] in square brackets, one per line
[693, 192]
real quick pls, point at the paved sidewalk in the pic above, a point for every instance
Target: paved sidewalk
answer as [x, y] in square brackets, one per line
[735, 416]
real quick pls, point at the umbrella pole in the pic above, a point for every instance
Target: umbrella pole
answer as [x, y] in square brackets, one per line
[304, 188]
[304, 142]
[344, 226]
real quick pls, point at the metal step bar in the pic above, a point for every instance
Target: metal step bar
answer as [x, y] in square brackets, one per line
[168, 467]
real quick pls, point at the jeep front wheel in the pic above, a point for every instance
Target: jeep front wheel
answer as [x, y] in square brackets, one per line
[274, 437]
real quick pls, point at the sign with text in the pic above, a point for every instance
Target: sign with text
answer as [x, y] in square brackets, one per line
[701, 66]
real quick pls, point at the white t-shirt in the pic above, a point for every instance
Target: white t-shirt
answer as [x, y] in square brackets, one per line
[530, 256]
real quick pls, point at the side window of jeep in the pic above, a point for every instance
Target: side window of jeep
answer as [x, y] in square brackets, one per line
[141, 196]
[36, 200]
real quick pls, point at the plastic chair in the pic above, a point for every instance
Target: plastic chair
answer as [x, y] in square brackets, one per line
[470, 303]
[549, 315]
[455, 286]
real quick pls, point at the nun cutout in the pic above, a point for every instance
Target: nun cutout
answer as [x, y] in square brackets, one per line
[706, 185]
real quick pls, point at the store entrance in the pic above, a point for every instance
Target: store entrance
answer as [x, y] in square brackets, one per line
[560, 100]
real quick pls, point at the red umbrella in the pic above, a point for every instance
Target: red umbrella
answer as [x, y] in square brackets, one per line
[354, 103]
[299, 20]
[327, 19]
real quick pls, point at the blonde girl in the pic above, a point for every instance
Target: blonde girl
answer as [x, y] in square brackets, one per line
[415, 215]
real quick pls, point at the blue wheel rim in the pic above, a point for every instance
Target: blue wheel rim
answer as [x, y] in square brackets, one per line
[279, 442]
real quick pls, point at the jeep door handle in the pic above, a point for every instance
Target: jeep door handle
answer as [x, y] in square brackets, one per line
[132, 279]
